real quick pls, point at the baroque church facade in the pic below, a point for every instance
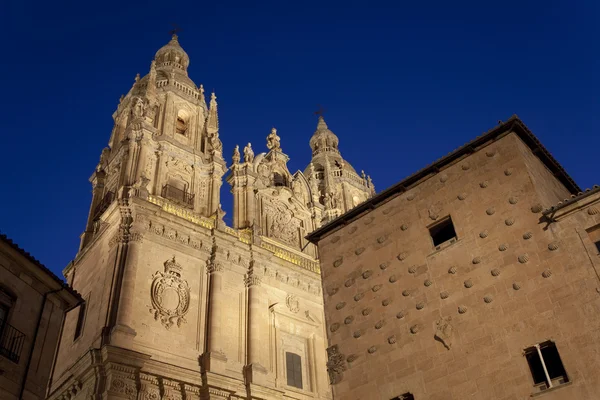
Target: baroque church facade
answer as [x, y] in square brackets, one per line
[179, 305]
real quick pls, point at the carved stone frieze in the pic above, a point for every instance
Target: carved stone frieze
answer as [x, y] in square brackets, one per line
[170, 295]
[172, 234]
[294, 280]
[335, 365]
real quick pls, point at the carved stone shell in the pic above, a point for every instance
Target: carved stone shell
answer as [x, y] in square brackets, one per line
[376, 288]
[393, 279]
[367, 311]
[379, 324]
[503, 247]
[444, 295]
[340, 305]
[488, 299]
[495, 272]
[367, 274]
[348, 320]
[443, 178]
[335, 239]
[536, 208]
[351, 357]
[410, 197]
[404, 227]
[406, 293]
[490, 153]
[516, 286]
[387, 211]
[476, 260]
[412, 269]
[490, 211]
[359, 296]
[386, 302]
[462, 196]
[414, 329]
[369, 220]
[553, 246]
[392, 339]
[547, 273]
[352, 230]
[509, 221]
[400, 315]
[468, 283]
[383, 266]
[483, 184]
[381, 239]
[513, 200]
[349, 282]
[402, 256]
[334, 327]
[523, 258]
[427, 283]
[462, 309]
[452, 270]
[372, 349]
[527, 235]
[332, 291]
[359, 251]
[420, 306]
[593, 211]
[338, 262]
[465, 167]
[357, 334]
[483, 234]
[508, 171]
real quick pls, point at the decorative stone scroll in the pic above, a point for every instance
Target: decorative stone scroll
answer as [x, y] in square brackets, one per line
[170, 295]
[335, 365]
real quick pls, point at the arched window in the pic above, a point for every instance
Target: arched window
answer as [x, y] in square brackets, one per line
[181, 124]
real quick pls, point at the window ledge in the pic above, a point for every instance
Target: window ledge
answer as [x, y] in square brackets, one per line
[443, 246]
[552, 389]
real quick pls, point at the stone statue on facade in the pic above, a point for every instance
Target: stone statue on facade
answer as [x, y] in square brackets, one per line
[273, 140]
[248, 153]
[236, 155]
[138, 108]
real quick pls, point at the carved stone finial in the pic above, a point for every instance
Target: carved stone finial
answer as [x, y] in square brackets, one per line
[335, 365]
[236, 155]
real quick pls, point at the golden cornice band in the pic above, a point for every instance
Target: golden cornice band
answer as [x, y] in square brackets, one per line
[182, 212]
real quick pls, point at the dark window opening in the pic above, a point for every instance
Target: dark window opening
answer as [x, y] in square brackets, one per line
[279, 180]
[405, 396]
[80, 320]
[442, 232]
[181, 126]
[293, 364]
[598, 246]
[551, 360]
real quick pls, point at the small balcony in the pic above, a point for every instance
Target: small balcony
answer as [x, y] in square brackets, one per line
[179, 196]
[103, 205]
[11, 341]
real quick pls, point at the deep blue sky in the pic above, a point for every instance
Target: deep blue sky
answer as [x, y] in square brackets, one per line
[403, 84]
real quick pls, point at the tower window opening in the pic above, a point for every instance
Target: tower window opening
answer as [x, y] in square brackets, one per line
[181, 126]
[80, 320]
[442, 232]
[278, 180]
[594, 235]
[598, 246]
[546, 367]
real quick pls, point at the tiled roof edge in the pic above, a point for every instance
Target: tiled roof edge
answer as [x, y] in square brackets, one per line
[574, 198]
[36, 262]
[514, 123]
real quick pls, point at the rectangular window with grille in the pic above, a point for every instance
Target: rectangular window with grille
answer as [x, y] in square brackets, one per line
[405, 396]
[293, 364]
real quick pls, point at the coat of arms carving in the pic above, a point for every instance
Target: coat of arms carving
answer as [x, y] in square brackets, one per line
[335, 365]
[170, 295]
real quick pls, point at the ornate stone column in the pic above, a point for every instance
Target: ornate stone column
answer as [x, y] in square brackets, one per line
[216, 298]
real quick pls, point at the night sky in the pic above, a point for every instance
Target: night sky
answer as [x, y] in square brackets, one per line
[403, 83]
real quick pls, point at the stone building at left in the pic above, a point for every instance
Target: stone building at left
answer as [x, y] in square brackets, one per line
[33, 303]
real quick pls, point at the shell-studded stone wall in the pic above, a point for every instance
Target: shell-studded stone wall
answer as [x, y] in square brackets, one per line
[435, 314]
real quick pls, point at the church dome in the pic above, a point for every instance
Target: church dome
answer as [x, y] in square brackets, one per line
[323, 140]
[172, 55]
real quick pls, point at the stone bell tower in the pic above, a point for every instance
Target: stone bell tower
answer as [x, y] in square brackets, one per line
[165, 142]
